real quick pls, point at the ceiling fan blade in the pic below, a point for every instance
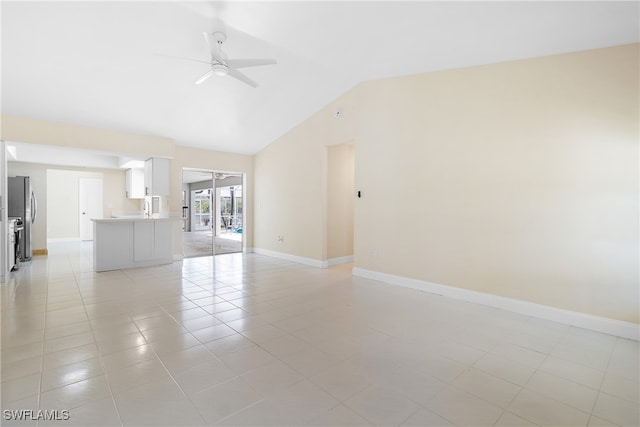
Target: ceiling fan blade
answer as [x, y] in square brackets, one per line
[205, 76]
[238, 75]
[241, 63]
[210, 43]
[181, 57]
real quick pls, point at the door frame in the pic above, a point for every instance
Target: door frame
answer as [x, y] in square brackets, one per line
[89, 207]
[215, 204]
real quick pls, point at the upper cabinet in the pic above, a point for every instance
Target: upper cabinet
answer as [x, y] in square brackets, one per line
[156, 177]
[134, 183]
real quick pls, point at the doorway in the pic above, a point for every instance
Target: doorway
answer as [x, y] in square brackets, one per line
[90, 203]
[212, 213]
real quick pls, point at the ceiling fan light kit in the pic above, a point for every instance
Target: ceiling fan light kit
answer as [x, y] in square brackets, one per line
[219, 69]
[222, 66]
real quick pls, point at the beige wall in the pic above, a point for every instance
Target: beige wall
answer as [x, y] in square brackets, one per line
[291, 182]
[57, 190]
[518, 179]
[63, 198]
[63, 203]
[340, 197]
[24, 129]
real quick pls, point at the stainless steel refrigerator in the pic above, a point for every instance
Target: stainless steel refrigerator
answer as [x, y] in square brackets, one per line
[23, 204]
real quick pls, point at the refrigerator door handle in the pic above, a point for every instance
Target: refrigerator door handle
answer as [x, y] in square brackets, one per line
[34, 208]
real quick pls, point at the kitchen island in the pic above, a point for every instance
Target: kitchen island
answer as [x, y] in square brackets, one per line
[132, 242]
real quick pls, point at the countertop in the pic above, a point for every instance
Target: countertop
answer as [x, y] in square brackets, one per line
[130, 219]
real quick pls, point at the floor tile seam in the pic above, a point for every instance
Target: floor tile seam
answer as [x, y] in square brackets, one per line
[461, 341]
[509, 410]
[242, 332]
[341, 400]
[521, 385]
[496, 353]
[36, 393]
[207, 315]
[400, 391]
[77, 381]
[371, 386]
[604, 375]
[74, 346]
[215, 356]
[581, 364]
[67, 334]
[42, 357]
[101, 360]
[106, 376]
[173, 379]
[554, 375]
[341, 403]
[566, 405]
[46, 296]
[482, 398]
[222, 311]
[172, 318]
[595, 402]
[281, 360]
[424, 408]
[585, 347]
[618, 397]
[236, 376]
[221, 420]
[307, 376]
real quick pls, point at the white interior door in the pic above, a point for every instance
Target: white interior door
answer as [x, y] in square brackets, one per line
[90, 205]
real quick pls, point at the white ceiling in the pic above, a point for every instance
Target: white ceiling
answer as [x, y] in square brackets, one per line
[97, 63]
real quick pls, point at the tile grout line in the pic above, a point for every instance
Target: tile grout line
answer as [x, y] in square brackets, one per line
[52, 290]
[100, 356]
[44, 331]
[595, 401]
[46, 317]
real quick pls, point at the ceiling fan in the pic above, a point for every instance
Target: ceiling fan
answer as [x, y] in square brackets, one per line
[222, 66]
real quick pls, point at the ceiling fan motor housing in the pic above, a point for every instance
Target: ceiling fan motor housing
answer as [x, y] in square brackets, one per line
[221, 66]
[219, 37]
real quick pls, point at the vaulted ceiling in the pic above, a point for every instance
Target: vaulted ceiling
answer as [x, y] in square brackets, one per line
[104, 64]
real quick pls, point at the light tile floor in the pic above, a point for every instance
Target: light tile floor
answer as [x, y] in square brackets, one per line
[201, 243]
[247, 340]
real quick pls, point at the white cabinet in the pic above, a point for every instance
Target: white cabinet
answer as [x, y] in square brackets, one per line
[112, 245]
[156, 177]
[152, 240]
[134, 183]
[123, 243]
[143, 240]
[163, 239]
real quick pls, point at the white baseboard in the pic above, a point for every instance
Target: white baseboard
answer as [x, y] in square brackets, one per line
[581, 320]
[293, 258]
[340, 260]
[64, 239]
